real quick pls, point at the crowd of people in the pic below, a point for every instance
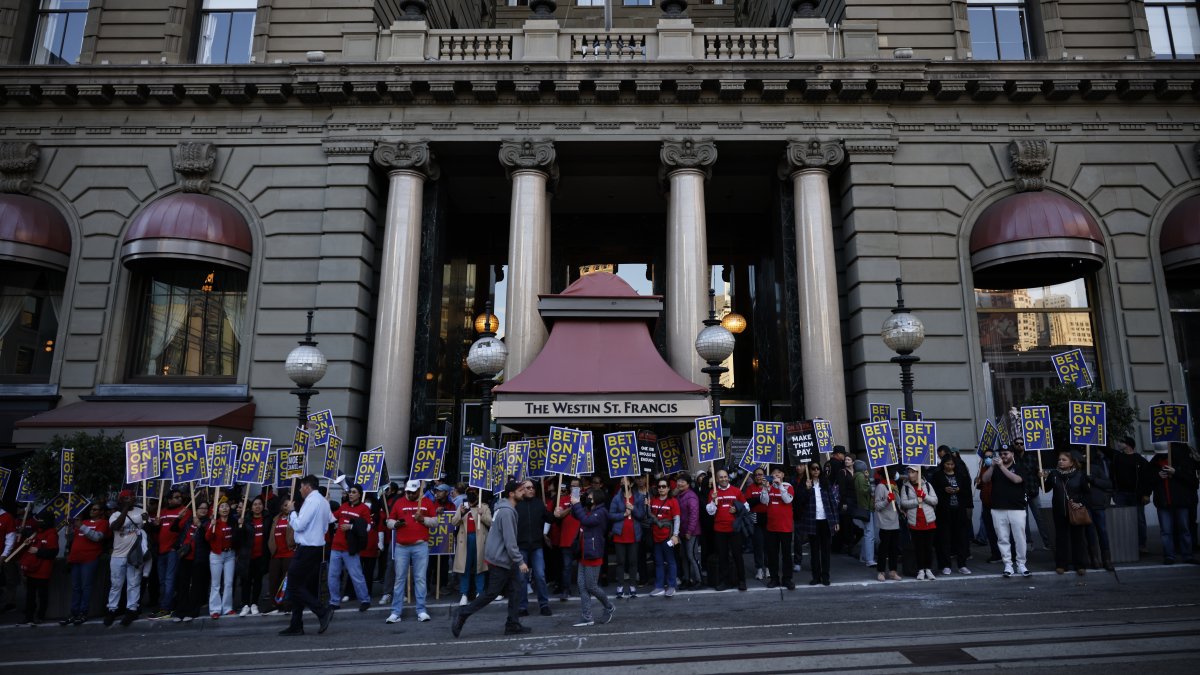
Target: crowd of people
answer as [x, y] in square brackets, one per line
[657, 534]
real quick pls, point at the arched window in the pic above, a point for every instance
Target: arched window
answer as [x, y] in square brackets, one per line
[1179, 243]
[35, 247]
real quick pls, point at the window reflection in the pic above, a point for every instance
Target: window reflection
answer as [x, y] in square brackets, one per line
[190, 322]
[998, 30]
[59, 34]
[226, 31]
[1174, 28]
[30, 304]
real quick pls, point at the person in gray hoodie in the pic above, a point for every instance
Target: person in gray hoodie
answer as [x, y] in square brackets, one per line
[505, 563]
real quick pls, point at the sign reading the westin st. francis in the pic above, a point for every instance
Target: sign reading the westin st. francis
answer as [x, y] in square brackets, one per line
[601, 411]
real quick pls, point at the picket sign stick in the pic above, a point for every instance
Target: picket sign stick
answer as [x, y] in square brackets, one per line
[29, 540]
[1039, 456]
[628, 494]
[162, 490]
[193, 488]
[1087, 453]
[887, 478]
[437, 588]
[145, 498]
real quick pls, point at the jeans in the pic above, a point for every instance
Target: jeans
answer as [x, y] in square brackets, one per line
[691, 558]
[353, 566]
[304, 574]
[120, 575]
[664, 562]
[1133, 499]
[1173, 522]
[82, 577]
[589, 587]
[537, 569]
[406, 555]
[499, 580]
[220, 584]
[168, 566]
[1010, 534]
[464, 579]
[570, 570]
[866, 554]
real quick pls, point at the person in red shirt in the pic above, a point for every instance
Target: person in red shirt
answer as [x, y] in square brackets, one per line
[281, 557]
[626, 515]
[221, 562]
[36, 564]
[349, 537]
[253, 555]
[473, 520]
[776, 497]
[724, 504]
[409, 520]
[167, 562]
[564, 538]
[369, 555]
[753, 494]
[192, 578]
[8, 576]
[87, 543]
[664, 514]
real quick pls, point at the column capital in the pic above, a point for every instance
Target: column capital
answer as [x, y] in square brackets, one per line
[407, 156]
[530, 155]
[811, 154]
[688, 153]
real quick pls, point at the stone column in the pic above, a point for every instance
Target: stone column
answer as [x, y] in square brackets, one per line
[808, 164]
[686, 164]
[531, 168]
[408, 165]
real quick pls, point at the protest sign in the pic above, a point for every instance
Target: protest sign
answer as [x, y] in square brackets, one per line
[990, 436]
[670, 453]
[585, 463]
[428, 452]
[918, 442]
[252, 461]
[881, 444]
[621, 448]
[1169, 423]
[709, 447]
[477, 474]
[369, 472]
[562, 450]
[188, 460]
[903, 415]
[823, 430]
[321, 427]
[800, 439]
[66, 471]
[293, 460]
[441, 541]
[1072, 369]
[221, 459]
[5, 476]
[333, 458]
[747, 463]
[142, 459]
[880, 412]
[647, 445]
[24, 493]
[537, 457]
[497, 472]
[767, 443]
[1035, 428]
[516, 460]
[1089, 422]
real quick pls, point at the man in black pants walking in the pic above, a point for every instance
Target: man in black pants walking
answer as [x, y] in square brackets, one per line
[503, 556]
[310, 523]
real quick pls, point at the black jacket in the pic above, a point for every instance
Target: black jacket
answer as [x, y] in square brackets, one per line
[531, 516]
[1063, 486]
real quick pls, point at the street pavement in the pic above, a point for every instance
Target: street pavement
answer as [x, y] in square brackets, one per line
[1144, 615]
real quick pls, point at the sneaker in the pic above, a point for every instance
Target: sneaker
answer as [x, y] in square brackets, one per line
[187, 619]
[462, 601]
[386, 599]
[671, 592]
[929, 576]
[963, 570]
[178, 619]
[393, 618]
[584, 623]
[633, 594]
[880, 576]
[608, 614]
[920, 575]
[80, 620]
[245, 611]
[254, 611]
[161, 614]
[66, 621]
[1026, 573]
[231, 613]
[894, 575]
[364, 606]
[796, 567]
[214, 616]
[274, 612]
[423, 616]
[871, 563]
[345, 598]
[620, 592]
[656, 592]
[1008, 572]
[758, 574]
[945, 571]
[517, 630]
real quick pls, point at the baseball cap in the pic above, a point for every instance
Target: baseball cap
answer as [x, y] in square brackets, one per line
[442, 487]
[412, 486]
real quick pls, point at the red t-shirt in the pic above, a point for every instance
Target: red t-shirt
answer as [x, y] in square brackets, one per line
[84, 550]
[259, 546]
[219, 535]
[8, 524]
[281, 543]
[166, 535]
[666, 510]
[779, 514]
[374, 536]
[413, 530]
[346, 515]
[34, 566]
[568, 526]
[751, 493]
[189, 538]
[723, 520]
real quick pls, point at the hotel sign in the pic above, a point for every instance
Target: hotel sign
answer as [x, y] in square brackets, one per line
[602, 409]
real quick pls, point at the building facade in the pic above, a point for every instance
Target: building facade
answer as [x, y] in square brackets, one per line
[183, 180]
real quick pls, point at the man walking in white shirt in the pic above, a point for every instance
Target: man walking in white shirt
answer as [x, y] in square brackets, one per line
[309, 523]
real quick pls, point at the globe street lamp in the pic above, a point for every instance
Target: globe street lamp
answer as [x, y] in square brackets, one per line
[486, 359]
[714, 344]
[306, 365]
[903, 333]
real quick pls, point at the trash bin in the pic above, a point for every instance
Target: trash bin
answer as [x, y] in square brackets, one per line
[1122, 524]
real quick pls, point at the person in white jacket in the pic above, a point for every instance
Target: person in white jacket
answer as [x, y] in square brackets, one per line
[919, 501]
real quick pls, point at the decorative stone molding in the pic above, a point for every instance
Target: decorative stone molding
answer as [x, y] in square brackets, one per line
[811, 154]
[194, 162]
[414, 10]
[18, 159]
[673, 9]
[688, 153]
[1029, 158]
[407, 156]
[528, 154]
[542, 9]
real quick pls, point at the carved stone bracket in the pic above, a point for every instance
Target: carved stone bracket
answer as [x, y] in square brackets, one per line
[194, 162]
[18, 159]
[811, 154]
[528, 154]
[407, 156]
[1030, 158]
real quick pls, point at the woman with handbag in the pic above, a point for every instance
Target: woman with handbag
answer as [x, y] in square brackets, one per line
[919, 503]
[1070, 492]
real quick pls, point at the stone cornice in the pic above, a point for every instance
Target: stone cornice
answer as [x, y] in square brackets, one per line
[596, 83]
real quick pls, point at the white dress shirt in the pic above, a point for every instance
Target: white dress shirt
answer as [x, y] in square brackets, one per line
[820, 502]
[312, 521]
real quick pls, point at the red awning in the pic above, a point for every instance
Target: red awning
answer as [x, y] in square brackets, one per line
[33, 232]
[1180, 238]
[1014, 237]
[191, 227]
[166, 418]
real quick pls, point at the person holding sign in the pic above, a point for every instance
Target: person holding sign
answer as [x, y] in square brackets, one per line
[593, 521]
[36, 564]
[349, 538]
[1070, 491]
[724, 504]
[777, 496]
[953, 514]
[626, 513]
[919, 502]
[281, 556]
[221, 562]
[126, 525]
[192, 581]
[664, 516]
[887, 518]
[1130, 479]
[818, 520]
[87, 543]
[472, 520]
[167, 560]
[1007, 479]
[409, 520]
[252, 556]
[1173, 485]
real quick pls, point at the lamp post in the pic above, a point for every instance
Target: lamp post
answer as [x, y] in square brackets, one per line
[486, 359]
[903, 333]
[306, 365]
[714, 344]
